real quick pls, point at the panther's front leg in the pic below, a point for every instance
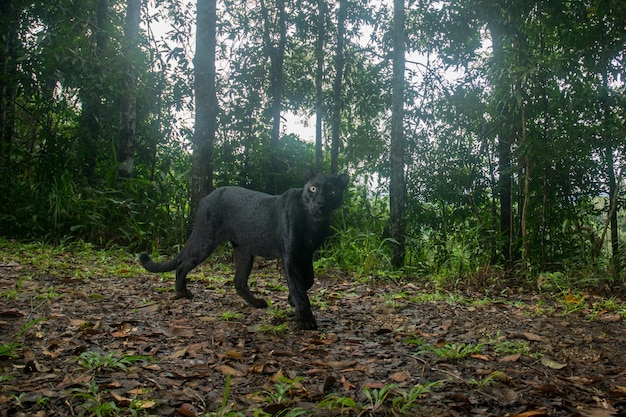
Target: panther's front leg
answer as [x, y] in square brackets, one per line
[300, 279]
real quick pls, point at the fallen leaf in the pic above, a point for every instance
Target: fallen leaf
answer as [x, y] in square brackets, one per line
[178, 354]
[551, 363]
[400, 376]
[187, 410]
[530, 413]
[347, 386]
[277, 376]
[229, 370]
[526, 336]
[12, 313]
[340, 364]
[181, 331]
[510, 358]
[234, 354]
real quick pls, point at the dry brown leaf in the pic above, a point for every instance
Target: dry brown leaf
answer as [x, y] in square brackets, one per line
[277, 376]
[340, 364]
[124, 402]
[181, 331]
[510, 358]
[347, 386]
[187, 410]
[234, 354]
[229, 370]
[257, 368]
[145, 404]
[178, 353]
[530, 413]
[526, 336]
[373, 385]
[400, 376]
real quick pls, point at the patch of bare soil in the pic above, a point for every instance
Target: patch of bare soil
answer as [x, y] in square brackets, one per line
[517, 355]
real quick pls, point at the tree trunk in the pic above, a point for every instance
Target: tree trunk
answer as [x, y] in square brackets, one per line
[206, 104]
[613, 193]
[128, 99]
[319, 80]
[505, 139]
[337, 86]
[91, 96]
[397, 187]
[8, 83]
[277, 58]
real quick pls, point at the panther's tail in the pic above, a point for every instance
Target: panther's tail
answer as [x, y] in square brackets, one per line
[152, 266]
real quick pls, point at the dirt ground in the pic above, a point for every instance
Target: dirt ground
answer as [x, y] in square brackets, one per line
[81, 343]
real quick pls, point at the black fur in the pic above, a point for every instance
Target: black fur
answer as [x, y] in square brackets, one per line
[290, 226]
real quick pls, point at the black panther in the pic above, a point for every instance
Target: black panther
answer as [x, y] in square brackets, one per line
[290, 227]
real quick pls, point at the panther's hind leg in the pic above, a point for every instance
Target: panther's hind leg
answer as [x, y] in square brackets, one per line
[193, 255]
[243, 266]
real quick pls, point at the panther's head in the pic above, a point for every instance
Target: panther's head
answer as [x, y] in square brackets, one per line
[323, 193]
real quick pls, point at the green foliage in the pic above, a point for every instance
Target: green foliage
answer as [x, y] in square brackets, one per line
[225, 409]
[90, 401]
[451, 351]
[389, 398]
[97, 362]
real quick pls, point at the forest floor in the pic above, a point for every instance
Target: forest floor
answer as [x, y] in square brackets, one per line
[87, 332]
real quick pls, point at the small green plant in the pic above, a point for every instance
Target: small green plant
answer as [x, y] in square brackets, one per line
[389, 398]
[344, 404]
[231, 315]
[9, 350]
[607, 305]
[406, 402]
[396, 300]
[573, 302]
[13, 293]
[452, 351]
[377, 397]
[6, 378]
[513, 347]
[98, 362]
[93, 402]
[225, 409]
[275, 330]
[277, 314]
[50, 293]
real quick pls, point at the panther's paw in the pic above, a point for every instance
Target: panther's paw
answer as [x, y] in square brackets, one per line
[306, 321]
[183, 294]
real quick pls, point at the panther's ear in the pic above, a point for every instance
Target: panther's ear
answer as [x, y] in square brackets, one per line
[308, 174]
[344, 178]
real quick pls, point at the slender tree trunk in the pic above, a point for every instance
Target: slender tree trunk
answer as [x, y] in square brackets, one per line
[337, 87]
[8, 83]
[505, 139]
[397, 186]
[319, 80]
[277, 58]
[91, 96]
[526, 201]
[613, 192]
[128, 99]
[206, 104]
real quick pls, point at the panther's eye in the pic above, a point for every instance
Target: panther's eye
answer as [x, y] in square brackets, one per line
[313, 189]
[332, 193]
